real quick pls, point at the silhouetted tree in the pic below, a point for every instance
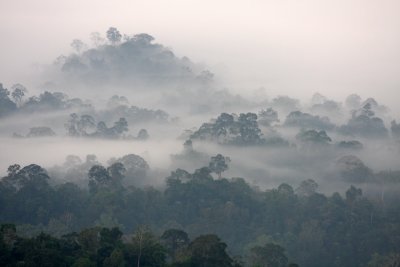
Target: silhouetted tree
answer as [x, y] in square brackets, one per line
[113, 35]
[219, 164]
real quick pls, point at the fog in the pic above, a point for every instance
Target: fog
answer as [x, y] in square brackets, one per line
[286, 150]
[206, 58]
[269, 130]
[287, 47]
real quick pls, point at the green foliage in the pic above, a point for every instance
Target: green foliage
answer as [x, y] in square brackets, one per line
[209, 251]
[219, 164]
[364, 123]
[6, 105]
[305, 120]
[313, 137]
[267, 117]
[315, 229]
[232, 129]
[269, 255]
[175, 241]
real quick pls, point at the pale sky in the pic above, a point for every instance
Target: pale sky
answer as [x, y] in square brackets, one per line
[292, 47]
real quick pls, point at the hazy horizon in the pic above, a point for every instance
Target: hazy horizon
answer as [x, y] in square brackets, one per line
[288, 48]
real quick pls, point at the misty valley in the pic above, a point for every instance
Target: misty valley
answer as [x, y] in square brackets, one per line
[126, 154]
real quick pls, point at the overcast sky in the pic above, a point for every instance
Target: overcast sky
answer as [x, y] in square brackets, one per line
[290, 47]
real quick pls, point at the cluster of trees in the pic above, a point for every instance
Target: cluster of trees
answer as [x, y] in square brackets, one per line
[263, 129]
[314, 229]
[17, 101]
[314, 137]
[118, 106]
[267, 117]
[40, 131]
[7, 106]
[231, 129]
[366, 118]
[305, 120]
[108, 247]
[132, 168]
[364, 123]
[86, 126]
[321, 104]
[353, 170]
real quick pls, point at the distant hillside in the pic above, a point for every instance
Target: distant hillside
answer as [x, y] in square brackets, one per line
[131, 60]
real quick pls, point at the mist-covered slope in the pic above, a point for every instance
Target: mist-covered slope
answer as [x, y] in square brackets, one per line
[125, 133]
[129, 61]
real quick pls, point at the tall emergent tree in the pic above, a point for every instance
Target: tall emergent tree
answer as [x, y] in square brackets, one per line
[113, 35]
[219, 164]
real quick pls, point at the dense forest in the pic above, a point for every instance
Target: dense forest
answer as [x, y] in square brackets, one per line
[258, 226]
[153, 164]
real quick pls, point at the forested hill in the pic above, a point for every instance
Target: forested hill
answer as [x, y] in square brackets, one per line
[128, 61]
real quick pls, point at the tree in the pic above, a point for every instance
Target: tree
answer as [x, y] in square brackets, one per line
[313, 137]
[174, 240]
[286, 103]
[353, 144]
[89, 239]
[116, 259]
[101, 128]
[98, 178]
[145, 250]
[136, 168]
[110, 236]
[208, 250]
[86, 123]
[177, 177]
[202, 174]
[18, 92]
[219, 164]
[306, 120]
[117, 172]
[230, 129]
[6, 105]
[267, 116]
[364, 123]
[113, 35]
[41, 131]
[96, 38]
[143, 38]
[269, 255]
[117, 101]
[353, 170]
[13, 169]
[307, 188]
[250, 133]
[33, 175]
[143, 135]
[72, 125]
[353, 194]
[8, 234]
[120, 126]
[77, 45]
